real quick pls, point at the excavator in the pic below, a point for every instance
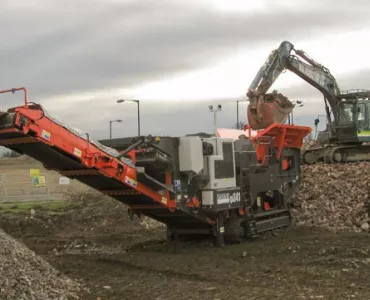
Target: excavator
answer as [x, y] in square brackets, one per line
[347, 136]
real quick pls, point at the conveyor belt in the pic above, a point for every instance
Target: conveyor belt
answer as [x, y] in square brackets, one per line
[28, 130]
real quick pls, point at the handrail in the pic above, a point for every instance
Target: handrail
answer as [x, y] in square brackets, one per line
[13, 90]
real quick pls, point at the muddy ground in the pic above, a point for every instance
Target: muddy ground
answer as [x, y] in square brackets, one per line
[117, 258]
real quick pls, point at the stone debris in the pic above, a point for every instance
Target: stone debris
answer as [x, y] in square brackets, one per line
[334, 197]
[310, 144]
[279, 98]
[149, 223]
[26, 276]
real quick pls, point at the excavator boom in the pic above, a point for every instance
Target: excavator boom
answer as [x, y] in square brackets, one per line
[263, 112]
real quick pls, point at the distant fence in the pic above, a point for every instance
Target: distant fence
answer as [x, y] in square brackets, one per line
[23, 179]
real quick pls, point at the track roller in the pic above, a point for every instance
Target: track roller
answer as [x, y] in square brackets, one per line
[310, 157]
[328, 156]
[337, 155]
[333, 155]
[251, 227]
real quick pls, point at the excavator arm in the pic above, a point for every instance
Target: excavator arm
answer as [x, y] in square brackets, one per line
[265, 109]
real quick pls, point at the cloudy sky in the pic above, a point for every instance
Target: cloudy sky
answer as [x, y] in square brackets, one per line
[78, 57]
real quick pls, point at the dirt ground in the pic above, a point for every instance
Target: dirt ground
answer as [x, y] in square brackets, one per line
[117, 258]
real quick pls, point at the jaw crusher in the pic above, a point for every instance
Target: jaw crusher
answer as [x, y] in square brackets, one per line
[227, 189]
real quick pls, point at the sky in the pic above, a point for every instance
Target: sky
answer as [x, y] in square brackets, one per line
[78, 57]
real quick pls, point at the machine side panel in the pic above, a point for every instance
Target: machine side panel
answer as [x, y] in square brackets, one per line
[207, 198]
[191, 154]
[221, 199]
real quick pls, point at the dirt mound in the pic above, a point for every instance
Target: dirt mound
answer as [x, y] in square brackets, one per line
[24, 275]
[149, 223]
[85, 213]
[98, 213]
[335, 197]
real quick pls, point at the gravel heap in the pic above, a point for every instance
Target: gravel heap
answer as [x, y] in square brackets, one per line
[149, 223]
[311, 144]
[334, 197]
[25, 276]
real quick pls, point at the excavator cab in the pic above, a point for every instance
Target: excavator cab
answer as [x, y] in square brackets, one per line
[362, 119]
[353, 121]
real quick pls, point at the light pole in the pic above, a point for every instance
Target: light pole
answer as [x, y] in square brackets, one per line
[298, 104]
[138, 111]
[317, 121]
[110, 127]
[215, 110]
[237, 112]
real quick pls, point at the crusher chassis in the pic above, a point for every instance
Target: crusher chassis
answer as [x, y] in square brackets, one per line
[226, 189]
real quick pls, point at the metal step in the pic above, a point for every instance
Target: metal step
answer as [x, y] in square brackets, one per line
[273, 223]
[270, 213]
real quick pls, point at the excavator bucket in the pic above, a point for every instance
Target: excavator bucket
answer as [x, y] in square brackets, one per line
[264, 110]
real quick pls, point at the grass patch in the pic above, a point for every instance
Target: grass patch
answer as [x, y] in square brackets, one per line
[52, 205]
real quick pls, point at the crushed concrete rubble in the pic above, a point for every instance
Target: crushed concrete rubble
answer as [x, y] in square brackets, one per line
[279, 98]
[334, 197]
[149, 223]
[26, 276]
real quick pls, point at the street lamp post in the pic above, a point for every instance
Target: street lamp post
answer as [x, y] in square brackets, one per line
[298, 104]
[237, 112]
[138, 111]
[215, 110]
[110, 127]
[317, 121]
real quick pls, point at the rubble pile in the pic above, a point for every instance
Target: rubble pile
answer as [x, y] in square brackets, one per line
[149, 223]
[334, 197]
[279, 98]
[310, 144]
[26, 276]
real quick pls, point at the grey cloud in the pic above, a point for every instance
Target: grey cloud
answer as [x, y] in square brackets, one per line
[74, 46]
[188, 117]
[83, 46]
[179, 118]
[156, 117]
[359, 79]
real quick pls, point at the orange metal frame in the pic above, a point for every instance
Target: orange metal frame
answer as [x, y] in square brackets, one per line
[278, 136]
[16, 90]
[39, 128]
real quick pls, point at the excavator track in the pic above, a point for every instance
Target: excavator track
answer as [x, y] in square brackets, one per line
[328, 155]
[311, 156]
[332, 154]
